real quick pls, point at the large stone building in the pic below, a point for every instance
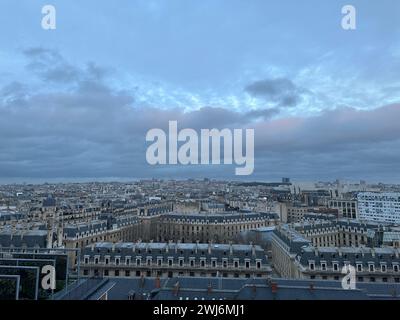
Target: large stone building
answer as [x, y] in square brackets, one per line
[203, 227]
[321, 249]
[379, 206]
[174, 259]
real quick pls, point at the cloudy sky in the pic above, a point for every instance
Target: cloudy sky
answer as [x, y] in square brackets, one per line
[76, 102]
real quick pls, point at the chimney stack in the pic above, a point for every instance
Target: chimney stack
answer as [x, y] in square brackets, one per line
[274, 287]
[158, 283]
[209, 288]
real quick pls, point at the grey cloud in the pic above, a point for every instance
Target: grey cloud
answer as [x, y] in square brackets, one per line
[281, 91]
[96, 131]
[51, 66]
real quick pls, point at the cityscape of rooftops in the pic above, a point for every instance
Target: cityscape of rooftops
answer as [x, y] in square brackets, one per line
[170, 150]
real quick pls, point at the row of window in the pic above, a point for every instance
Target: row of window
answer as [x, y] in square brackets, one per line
[359, 267]
[169, 274]
[181, 262]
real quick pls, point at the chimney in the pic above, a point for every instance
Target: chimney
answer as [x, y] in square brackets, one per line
[311, 286]
[274, 287]
[142, 280]
[209, 288]
[209, 247]
[254, 289]
[158, 283]
[59, 236]
[253, 249]
[197, 246]
[230, 248]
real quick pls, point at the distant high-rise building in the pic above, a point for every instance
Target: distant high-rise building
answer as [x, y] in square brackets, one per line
[379, 206]
[286, 180]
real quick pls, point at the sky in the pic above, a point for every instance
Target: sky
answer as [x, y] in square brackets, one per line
[76, 102]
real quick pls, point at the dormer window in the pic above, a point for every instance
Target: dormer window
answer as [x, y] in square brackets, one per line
[371, 267]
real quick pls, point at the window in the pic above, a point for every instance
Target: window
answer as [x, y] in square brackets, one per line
[335, 267]
[396, 268]
[138, 273]
[107, 260]
[138, 261]
[86, 260]
[170, 261]
[203, 263]
[117, 261]
[117, 273]
[371, 268]
[159, 261]
[106, 273]
[312, 266]
[359, 267]
[258, 264]
[127, 273]
[236, 264]
[383, 267]
[247, 264]
[192, 262]
[181, 262]
[323, 266]
[214, 263]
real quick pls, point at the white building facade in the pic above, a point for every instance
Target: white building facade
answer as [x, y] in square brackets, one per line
[379, 206]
